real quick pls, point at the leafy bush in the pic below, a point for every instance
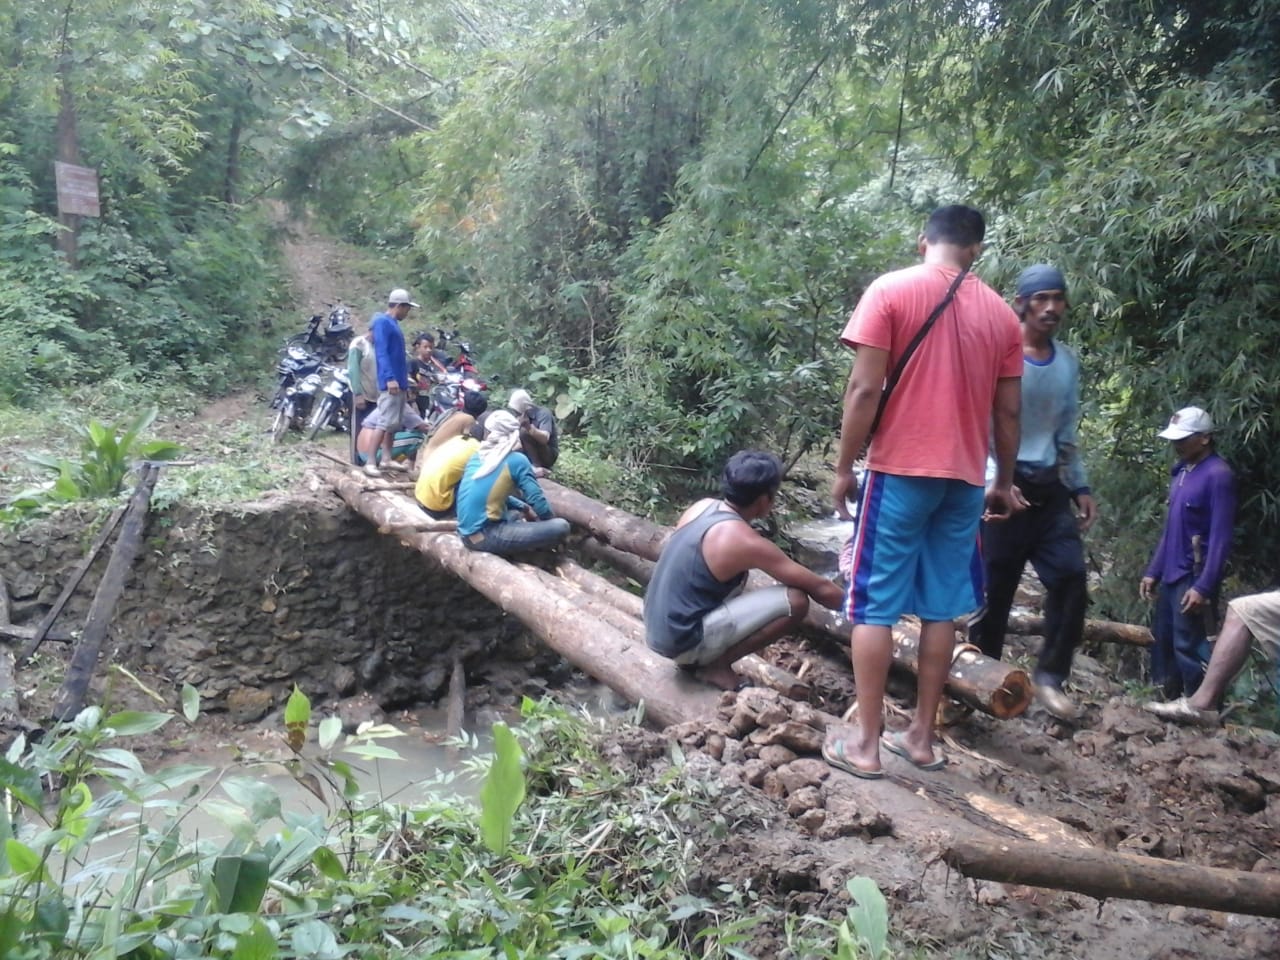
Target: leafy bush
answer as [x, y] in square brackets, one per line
[106, 457]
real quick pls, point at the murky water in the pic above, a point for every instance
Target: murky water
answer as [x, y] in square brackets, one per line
[259, 773]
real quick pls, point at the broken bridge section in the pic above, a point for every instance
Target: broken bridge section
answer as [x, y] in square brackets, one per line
[770, 736]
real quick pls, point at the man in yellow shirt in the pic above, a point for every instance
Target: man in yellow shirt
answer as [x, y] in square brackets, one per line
[439, 475]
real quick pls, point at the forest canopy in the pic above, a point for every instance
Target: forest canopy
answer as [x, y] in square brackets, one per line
[659, 213]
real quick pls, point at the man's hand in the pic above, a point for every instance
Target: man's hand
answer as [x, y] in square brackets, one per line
[1147, 589]
[843, 490]
[530, 514]
[393, 387]
[1000, 503]
[1087, 511]
[1193, 601]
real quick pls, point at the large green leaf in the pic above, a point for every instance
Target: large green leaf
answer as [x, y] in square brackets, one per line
[129, 723]
[22, 783]
[240, 881]
[502, 791]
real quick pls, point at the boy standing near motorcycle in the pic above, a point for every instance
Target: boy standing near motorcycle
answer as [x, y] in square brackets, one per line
[393, 375]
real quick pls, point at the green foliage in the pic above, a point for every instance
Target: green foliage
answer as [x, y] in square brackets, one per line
[107, 454]
[502, 792]
[1171, 251]
[866, 926]
[595, 868]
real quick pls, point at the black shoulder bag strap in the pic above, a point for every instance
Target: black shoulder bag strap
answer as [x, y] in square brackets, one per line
[901, 365]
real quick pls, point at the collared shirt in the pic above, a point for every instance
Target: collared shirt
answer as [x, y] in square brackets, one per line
[1202, 503]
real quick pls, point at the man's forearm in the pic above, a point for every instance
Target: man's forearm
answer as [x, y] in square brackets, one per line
[860, 402]
[1005, 425]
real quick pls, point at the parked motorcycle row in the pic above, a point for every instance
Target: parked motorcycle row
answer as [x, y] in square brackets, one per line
[313, 390]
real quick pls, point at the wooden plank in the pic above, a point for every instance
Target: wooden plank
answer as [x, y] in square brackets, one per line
[46, 622]
[84, 660]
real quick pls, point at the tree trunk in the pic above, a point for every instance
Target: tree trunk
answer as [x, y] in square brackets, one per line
[1104, 874]
[231, 180]
[1095, 631]
[616, 527]
[67, 145]
[84, 660]
[570, 625]
[628, 564]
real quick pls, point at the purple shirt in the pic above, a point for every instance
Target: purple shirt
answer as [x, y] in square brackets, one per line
[1202, 503]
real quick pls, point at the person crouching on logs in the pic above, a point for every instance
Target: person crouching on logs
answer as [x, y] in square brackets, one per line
[695, 612]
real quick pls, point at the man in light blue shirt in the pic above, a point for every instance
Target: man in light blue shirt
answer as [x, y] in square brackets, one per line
[1059, 507]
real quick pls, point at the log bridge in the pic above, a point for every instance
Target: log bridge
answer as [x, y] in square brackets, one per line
[595, 624]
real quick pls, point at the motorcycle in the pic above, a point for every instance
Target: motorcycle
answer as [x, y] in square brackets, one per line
[294, 364]
[334, 409]
[448, 392]
[332, 343]
[298, 401]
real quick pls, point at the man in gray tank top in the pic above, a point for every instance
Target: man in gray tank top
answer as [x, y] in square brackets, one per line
[694, 610]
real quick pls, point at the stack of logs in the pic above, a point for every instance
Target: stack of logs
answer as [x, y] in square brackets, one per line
[768, 737]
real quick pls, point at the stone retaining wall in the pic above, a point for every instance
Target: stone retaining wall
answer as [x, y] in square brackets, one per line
[245, 602]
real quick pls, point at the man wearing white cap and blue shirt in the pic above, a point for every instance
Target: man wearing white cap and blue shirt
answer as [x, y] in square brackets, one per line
[393, 376]
[1187, 566]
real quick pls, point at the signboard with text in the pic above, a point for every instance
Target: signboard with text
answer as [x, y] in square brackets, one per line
[77, 189]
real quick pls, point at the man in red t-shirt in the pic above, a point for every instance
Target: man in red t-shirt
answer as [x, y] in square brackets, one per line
[923, 494]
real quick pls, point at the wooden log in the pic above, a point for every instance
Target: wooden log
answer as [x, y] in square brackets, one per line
[765, 674]
[75, 685]
[992, 686]
[628, 564]
[1105, 875]
[46, 622]
[597, 585]
[422, 526]
[18, 631]
[594, 647]
[455, 709]
[616, 527]
[1095, 631]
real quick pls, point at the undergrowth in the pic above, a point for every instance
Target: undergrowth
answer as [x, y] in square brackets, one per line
[565, 856]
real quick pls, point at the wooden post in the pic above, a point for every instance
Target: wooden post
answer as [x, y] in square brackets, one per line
[46, 622]
[75, 685]
[1105, 874]
[457, 700]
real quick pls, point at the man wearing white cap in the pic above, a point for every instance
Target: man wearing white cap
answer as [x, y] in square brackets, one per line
[393, 376]
[1187, 566]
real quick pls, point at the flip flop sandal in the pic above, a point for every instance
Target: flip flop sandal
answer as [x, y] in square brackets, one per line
[833, 753]
[894, 744]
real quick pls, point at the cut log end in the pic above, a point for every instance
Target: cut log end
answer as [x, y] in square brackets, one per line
[1013, 696]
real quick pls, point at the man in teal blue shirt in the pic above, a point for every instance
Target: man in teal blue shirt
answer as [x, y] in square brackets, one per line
[1051, 481]
[491, 518]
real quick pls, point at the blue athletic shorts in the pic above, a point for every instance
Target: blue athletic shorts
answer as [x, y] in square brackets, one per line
[914, 550]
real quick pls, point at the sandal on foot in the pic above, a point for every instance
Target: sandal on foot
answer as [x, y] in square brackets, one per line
[833, 753]
[895, 744]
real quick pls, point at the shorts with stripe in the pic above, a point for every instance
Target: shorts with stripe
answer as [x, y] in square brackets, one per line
[914, 550]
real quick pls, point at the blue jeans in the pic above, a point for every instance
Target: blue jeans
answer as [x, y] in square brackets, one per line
[1181, 647]
[506, 537]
